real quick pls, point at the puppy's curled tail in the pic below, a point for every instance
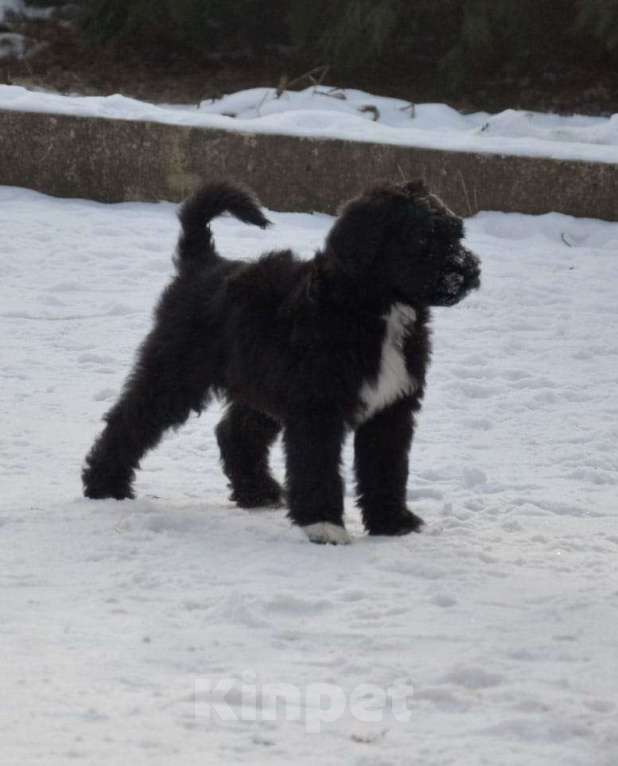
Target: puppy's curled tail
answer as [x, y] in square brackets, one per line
[195, 246]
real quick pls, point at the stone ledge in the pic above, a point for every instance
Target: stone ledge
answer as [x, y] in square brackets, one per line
[117, 160]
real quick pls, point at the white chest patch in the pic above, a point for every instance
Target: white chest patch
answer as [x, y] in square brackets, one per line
[393, 380]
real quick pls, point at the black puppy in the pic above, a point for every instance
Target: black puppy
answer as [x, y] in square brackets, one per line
[314, 347]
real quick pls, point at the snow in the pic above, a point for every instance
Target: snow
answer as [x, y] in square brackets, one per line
[12, 45]
[10, 6]
[161, 630]
[19, 8]
[324, 112]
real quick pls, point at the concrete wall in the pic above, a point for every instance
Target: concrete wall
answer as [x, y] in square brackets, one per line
[115, 160]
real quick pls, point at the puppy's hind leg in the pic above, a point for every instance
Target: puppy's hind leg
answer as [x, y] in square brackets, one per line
[244, 437]
[315, 488]
[166, 384]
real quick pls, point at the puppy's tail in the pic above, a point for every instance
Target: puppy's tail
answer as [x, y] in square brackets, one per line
[196, 246]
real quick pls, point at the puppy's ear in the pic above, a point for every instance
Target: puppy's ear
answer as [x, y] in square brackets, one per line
[357, 235]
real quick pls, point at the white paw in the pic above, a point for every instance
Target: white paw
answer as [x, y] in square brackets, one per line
[325, 532]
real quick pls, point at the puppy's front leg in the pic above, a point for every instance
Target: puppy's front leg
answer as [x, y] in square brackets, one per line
[315, 488]
[381, 450]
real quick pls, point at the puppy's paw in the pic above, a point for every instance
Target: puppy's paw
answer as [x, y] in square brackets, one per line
[401, 524]
[103, 493]
[268, 494]
[103, 487]
[106, 476]
[326, 533]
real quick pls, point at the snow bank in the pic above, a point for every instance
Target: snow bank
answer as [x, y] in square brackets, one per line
[332, 113]
[130, 630]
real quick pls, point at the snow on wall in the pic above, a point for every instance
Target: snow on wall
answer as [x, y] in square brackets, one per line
[333, 113]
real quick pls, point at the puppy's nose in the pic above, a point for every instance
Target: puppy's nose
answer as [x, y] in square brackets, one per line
[474, 274]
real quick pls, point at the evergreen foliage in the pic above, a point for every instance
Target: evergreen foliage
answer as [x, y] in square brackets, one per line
[457, 38]
[599, 18]
[215, 24]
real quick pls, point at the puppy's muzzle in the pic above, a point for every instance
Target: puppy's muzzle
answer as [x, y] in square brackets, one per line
[461, 275]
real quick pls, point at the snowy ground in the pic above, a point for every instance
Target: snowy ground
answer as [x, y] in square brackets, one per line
[129, 630]
[325, 112]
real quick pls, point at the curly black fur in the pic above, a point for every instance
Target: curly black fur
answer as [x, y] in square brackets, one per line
[299, 345]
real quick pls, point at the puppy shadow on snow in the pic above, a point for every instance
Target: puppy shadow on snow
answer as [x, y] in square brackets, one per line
[314, 349]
